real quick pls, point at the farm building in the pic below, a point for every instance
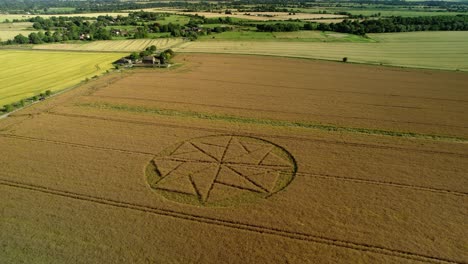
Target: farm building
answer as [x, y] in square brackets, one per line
[124, 61]
[150, 60]
[119, 32]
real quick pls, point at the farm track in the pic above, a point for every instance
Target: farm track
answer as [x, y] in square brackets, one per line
[225, 131]
[281, 112]
[304, 174]
[258, 229]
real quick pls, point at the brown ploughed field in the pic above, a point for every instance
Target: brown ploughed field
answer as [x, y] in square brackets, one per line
[241, 159]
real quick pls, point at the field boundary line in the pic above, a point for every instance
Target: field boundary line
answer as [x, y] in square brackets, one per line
[217, 130]
[276, 111]
[306, 174]
[232, 224]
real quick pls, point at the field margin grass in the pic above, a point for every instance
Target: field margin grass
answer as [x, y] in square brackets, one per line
[270, 122]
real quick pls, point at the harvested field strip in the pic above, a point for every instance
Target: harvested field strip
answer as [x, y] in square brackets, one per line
[270, 122]
[113, 45]
[277, 111]
[147, 123]
[229, 224]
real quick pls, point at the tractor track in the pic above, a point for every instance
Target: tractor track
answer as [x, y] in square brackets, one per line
[232, 224]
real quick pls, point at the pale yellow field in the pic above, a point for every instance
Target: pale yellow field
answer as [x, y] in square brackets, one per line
[4, 17]
[10, 34]
[15, 26]
[437, 50]
[10, 30]
[260, 16]
[28, 73]
[114, 45]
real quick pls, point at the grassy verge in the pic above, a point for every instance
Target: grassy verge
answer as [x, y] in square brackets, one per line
[269, 122]
[25, 102]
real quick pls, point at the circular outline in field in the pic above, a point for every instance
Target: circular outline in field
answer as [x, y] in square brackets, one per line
[221, 170]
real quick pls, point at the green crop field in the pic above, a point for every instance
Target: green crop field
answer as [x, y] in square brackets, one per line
[28, 73]
[309, 36]
[436, 50]
[174, 19]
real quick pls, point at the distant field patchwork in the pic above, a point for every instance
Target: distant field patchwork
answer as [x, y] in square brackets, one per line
[437, 50]
[28, 73]
[114, 45]
[10, 17]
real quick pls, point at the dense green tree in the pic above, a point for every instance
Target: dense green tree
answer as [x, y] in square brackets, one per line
[20, 39]
[34, 38]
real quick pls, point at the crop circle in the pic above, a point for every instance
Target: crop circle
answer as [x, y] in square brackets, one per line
[222, 170]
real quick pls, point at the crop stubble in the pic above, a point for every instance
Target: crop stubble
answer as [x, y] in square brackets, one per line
[355, 196]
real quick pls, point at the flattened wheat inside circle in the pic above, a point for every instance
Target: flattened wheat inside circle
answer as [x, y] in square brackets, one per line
[220, 170]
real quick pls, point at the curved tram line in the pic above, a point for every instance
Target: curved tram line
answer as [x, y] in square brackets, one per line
[303, 174]
[232, 224]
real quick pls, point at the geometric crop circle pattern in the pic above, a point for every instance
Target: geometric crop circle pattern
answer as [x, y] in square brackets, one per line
[222, 170]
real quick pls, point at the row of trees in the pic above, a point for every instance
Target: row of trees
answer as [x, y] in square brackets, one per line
[73, 32]
[393, 24]
[133, 19]
[48, 6]
[192, 30]
[399, 24]
[278, 27]
[13, 106]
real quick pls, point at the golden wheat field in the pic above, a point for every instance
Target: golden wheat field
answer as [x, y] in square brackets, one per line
[240, 159]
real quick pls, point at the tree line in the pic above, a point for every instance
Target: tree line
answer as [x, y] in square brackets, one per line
[399, 24]
[74, 28]
[383, 25]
